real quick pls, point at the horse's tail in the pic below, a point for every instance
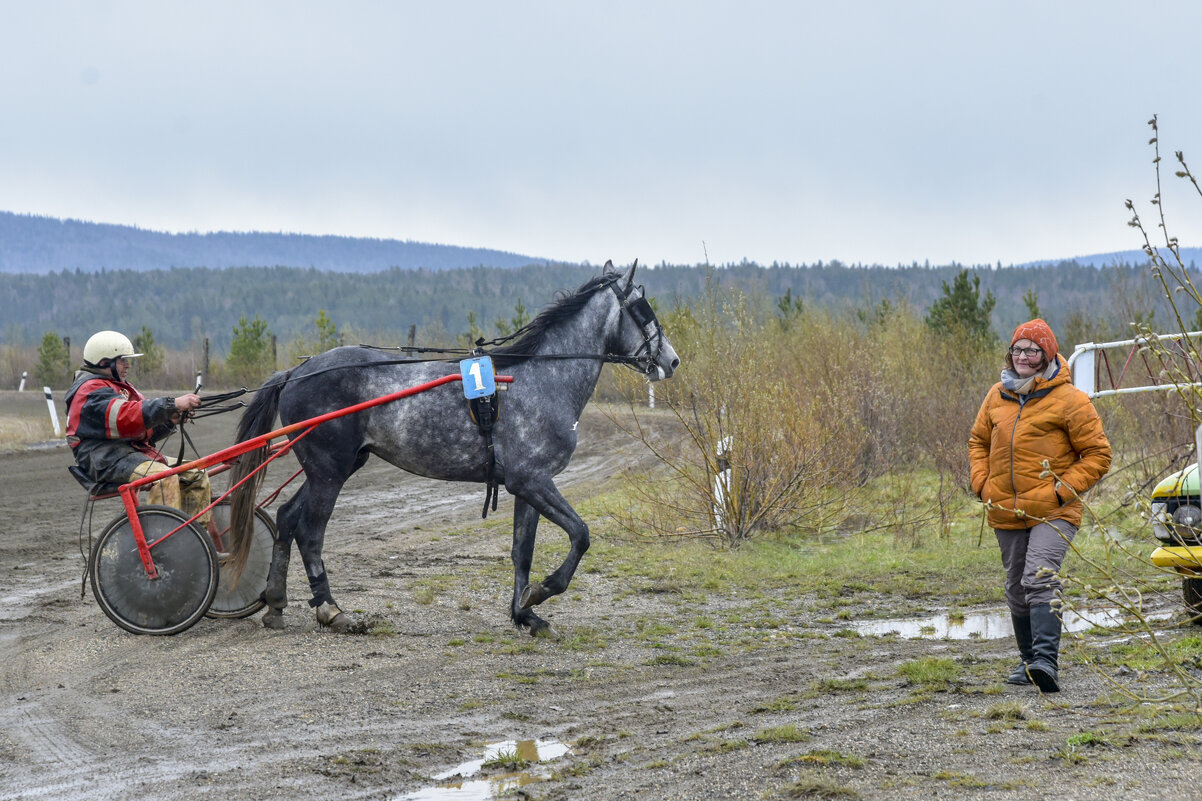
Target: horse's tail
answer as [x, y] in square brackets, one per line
[256, 421]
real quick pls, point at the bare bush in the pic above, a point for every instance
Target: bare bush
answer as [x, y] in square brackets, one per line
[767, 444]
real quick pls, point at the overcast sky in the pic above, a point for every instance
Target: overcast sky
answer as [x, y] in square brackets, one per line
[876, 132]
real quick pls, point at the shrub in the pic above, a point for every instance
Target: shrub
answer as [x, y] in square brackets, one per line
[54, 362]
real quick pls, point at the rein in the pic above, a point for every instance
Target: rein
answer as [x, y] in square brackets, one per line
[638, 308]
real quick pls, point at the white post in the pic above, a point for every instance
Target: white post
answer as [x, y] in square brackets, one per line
[651, 395]
[722, 481]
[198, 384]
[23, 377]
[53, 412]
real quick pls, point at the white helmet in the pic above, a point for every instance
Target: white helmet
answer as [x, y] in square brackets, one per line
[107, 345]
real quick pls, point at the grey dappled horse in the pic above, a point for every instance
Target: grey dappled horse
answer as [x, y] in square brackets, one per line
[555, 365]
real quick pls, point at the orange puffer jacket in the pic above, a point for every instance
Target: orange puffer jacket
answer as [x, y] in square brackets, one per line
[1014, 434]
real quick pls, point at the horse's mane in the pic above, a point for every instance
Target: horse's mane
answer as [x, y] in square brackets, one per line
[535, 332]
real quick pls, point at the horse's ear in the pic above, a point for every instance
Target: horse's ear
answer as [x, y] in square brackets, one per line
[609, 266]
[628, 278]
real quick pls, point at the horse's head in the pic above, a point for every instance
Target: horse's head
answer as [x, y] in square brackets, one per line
[640, 340]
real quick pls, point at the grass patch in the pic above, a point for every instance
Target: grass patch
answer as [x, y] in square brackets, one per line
[506, 760]
[584, 639]
[1172, 721]
[670, 659]
[782, 734]
[1076, 746]
[818, 787]
[934, 673]
[914, 570]
[1087, 739]
[1140, 654]
[966, 780]
[727, 746]
[1010, 710]
[829, 685]
[827, 758]
[785, 703]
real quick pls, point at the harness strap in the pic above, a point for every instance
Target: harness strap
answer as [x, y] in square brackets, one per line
[484, 412]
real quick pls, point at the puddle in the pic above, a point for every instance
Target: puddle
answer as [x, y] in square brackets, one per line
[457, 783]
[19, 604]
[982, 625]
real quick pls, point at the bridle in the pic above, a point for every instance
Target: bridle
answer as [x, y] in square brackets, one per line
[643, 316]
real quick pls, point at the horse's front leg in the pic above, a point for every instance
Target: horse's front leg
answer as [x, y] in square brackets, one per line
[525, 523]
[543, 496]
[276, 592]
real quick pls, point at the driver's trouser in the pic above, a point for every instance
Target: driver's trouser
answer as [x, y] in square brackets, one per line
[187, 491]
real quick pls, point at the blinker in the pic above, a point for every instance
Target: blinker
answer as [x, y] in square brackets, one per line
[641, 312]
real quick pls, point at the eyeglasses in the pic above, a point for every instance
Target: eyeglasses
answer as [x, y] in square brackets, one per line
[1030, 353]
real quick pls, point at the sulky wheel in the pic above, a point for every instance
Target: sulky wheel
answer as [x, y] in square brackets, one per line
[187, 573]
[246, 597]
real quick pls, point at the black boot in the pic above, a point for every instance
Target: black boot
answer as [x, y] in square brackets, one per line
[1022, 635]
[1045, 646]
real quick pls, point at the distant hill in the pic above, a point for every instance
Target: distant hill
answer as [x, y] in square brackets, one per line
[40, 245]
[1191, 256]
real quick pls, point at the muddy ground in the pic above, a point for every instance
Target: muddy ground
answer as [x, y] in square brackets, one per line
[658, 694]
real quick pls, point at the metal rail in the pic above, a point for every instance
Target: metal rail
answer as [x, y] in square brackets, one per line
[1087, 358]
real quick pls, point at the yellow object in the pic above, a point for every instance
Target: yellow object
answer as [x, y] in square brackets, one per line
[1185, 559]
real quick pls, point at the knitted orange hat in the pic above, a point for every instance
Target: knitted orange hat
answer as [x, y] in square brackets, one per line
[1041, 334]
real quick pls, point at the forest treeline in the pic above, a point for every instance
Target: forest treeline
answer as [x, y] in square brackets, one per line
[184, 307]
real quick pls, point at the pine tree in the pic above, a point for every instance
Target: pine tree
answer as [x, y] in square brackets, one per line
[150, 363]
[328, 335]
[54, 362]
[250, 359]
[961, 312]
[1032, 301]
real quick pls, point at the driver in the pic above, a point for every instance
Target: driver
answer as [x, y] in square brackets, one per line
[112, 428]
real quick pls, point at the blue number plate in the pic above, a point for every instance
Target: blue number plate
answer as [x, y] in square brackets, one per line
[478, 381]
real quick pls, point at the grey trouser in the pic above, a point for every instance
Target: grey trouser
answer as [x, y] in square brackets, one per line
[1024, 552]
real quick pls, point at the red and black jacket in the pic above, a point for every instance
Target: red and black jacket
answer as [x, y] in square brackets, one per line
[112, 428]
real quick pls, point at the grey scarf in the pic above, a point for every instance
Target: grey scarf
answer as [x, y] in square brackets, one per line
[1021, 386]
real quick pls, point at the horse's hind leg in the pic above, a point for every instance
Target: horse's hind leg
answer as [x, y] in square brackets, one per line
[310, 534]
[525, 523]
[276, 593]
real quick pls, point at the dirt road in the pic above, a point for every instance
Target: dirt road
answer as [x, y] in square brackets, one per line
[655, 694]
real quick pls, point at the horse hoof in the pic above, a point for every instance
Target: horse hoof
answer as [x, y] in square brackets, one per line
[333, 618]
[533, 594]
[273, 618]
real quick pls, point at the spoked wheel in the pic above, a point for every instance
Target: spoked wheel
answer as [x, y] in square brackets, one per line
[187, 573]
[246, 597]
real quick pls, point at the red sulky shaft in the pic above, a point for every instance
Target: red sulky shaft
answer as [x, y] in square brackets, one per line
[129, 491]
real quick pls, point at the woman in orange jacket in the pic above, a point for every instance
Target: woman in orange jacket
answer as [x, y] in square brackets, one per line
[1032, 416]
